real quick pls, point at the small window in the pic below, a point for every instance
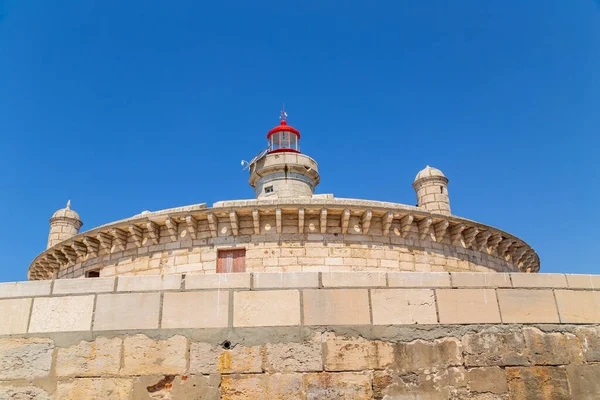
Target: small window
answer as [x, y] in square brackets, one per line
[92, 274]
[268, 189]
[233, 260]
[441, 189]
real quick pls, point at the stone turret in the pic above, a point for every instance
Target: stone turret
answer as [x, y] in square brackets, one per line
[64, 224]
[431, 186]
[283, 171]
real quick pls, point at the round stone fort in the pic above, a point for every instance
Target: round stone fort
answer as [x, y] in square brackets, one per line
[286, 228]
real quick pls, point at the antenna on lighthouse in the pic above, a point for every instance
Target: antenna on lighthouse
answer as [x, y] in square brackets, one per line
[283, 115]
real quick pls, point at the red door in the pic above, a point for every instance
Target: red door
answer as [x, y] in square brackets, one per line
[231, 261]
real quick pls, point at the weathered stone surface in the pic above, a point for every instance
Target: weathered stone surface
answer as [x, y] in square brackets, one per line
[432, 356]
[578, 306]
[218, 281]
[94, 388]
[127, 311]
[419, 279]
[26, 288]
[151, 282]
[426, 385]
[335, 386]
[353, 279]
[25, 358]
[526, 280]
[356, 354]
[262, 387]
[15, 315]
[268, 280]
[145, 356]
[480, 279]
[589, 338]
[266, 308]
[584, 281]
[494, 348]
[171, 387]
[295, 357]
[552, 348]
[538, 383]
[209, 359]
[9, 391]
[336, 307]
[467, 306]
[207, 309]
[527, 306]
[584, 381]
[403, 306]
[102, 356]
[68, 286]
[61, 314]
[488, 379]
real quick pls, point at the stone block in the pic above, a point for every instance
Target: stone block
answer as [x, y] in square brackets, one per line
[209, 359]
[420, 355]
[340, 385]
[527, 280]
[552, 348]
[270, 280]
[25, 289]
[207, 309]
[218, 281]
[356, 353]
[480, 279]
[522, 306]
[262, 387]
[467, 306]
[62, 314]
[127, 311]
[15, 315]
[403, 306]
[148, 283]
[266, 308]
[102, 356]
[145, 356]
[586, 281]
[81, 285]
[94, 388]
[589, 337]
[538, 383]
[418, 279]
[336, 307]
[353, 279]
[487, 380]
[494, 348]
[294, 357]
[196, 387]
[584, 382]
[578, 307]
[25, 358]
[10, 391]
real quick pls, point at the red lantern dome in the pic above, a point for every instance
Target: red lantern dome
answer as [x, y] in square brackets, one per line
[284, 138]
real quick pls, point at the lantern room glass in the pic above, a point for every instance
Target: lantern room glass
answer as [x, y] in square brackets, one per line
[283, 140]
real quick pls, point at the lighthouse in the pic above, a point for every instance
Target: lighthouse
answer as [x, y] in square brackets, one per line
[282, 171]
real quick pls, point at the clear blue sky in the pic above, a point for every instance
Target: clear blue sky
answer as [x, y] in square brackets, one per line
[127, 106]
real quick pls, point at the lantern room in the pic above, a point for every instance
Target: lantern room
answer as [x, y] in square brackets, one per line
[284, 138]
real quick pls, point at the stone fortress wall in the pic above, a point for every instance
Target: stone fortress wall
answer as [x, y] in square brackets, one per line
[307, 335]
[315, 234]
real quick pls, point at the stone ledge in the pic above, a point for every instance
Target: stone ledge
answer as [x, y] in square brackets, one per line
[358, 299]
[287, 280]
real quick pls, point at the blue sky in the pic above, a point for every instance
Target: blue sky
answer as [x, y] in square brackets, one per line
[128, 106]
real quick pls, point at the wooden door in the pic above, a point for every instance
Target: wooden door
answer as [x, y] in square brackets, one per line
[231, 261]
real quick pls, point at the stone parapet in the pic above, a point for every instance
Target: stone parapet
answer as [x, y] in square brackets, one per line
[288, 235]
[295, 299]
